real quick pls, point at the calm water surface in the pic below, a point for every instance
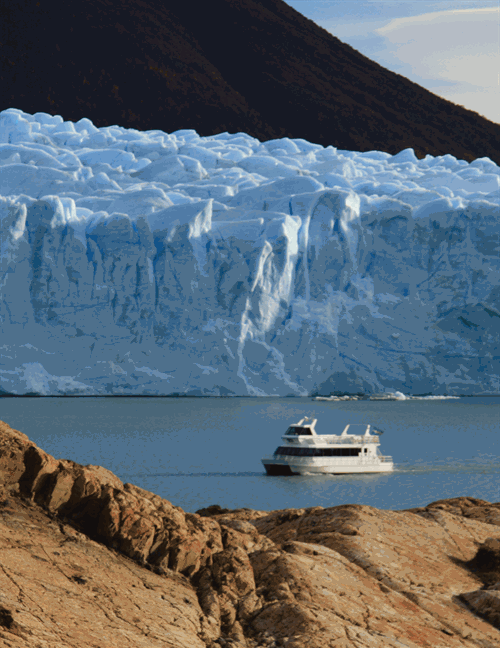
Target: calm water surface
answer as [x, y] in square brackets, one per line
[196, 452]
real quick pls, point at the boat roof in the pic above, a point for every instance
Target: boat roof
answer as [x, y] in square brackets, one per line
[302, 428]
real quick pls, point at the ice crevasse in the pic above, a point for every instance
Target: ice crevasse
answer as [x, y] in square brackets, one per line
[151, 263]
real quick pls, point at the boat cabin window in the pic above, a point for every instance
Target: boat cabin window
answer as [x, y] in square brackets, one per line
[295, 430]
[317, 452]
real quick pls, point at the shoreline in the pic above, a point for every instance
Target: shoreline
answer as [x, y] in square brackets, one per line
[343, 398]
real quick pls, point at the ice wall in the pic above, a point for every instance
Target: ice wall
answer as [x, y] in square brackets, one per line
[147, 263]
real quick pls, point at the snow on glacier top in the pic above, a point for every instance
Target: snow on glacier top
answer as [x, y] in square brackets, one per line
[116, 187]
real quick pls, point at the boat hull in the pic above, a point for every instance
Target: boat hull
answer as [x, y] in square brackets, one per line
[280, 467]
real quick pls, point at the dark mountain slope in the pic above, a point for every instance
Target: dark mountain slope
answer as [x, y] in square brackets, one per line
[251, 66]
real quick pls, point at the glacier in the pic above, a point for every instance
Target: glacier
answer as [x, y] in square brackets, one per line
[153, 263]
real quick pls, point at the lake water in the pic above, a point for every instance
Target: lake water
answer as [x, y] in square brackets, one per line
[197, 452]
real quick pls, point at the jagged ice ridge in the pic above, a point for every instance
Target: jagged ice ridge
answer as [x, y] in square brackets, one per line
[153, 263]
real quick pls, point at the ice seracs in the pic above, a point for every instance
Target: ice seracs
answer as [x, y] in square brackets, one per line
[162, 263]
[305, 452]
[388, 396]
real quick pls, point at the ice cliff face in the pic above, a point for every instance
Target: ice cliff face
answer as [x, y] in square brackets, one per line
[147, 263]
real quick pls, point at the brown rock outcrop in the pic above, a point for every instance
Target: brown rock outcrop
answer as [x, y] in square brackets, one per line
[137, 523]
[86, 560]
[486, 565]
[59, 589]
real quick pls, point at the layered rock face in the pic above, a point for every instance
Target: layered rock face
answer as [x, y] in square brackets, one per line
[89, 561]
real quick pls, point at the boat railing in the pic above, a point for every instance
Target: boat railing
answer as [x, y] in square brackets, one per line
[332, 440]
[385, 458]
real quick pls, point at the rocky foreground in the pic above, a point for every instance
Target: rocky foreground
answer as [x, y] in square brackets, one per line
[87, 561]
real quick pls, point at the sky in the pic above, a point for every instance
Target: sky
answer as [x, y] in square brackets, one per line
[452, 48]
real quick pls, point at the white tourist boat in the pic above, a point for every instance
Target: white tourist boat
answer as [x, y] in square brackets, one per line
[305, 452]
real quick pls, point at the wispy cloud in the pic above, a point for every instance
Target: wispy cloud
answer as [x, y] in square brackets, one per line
[456, 54]
[453, 53]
